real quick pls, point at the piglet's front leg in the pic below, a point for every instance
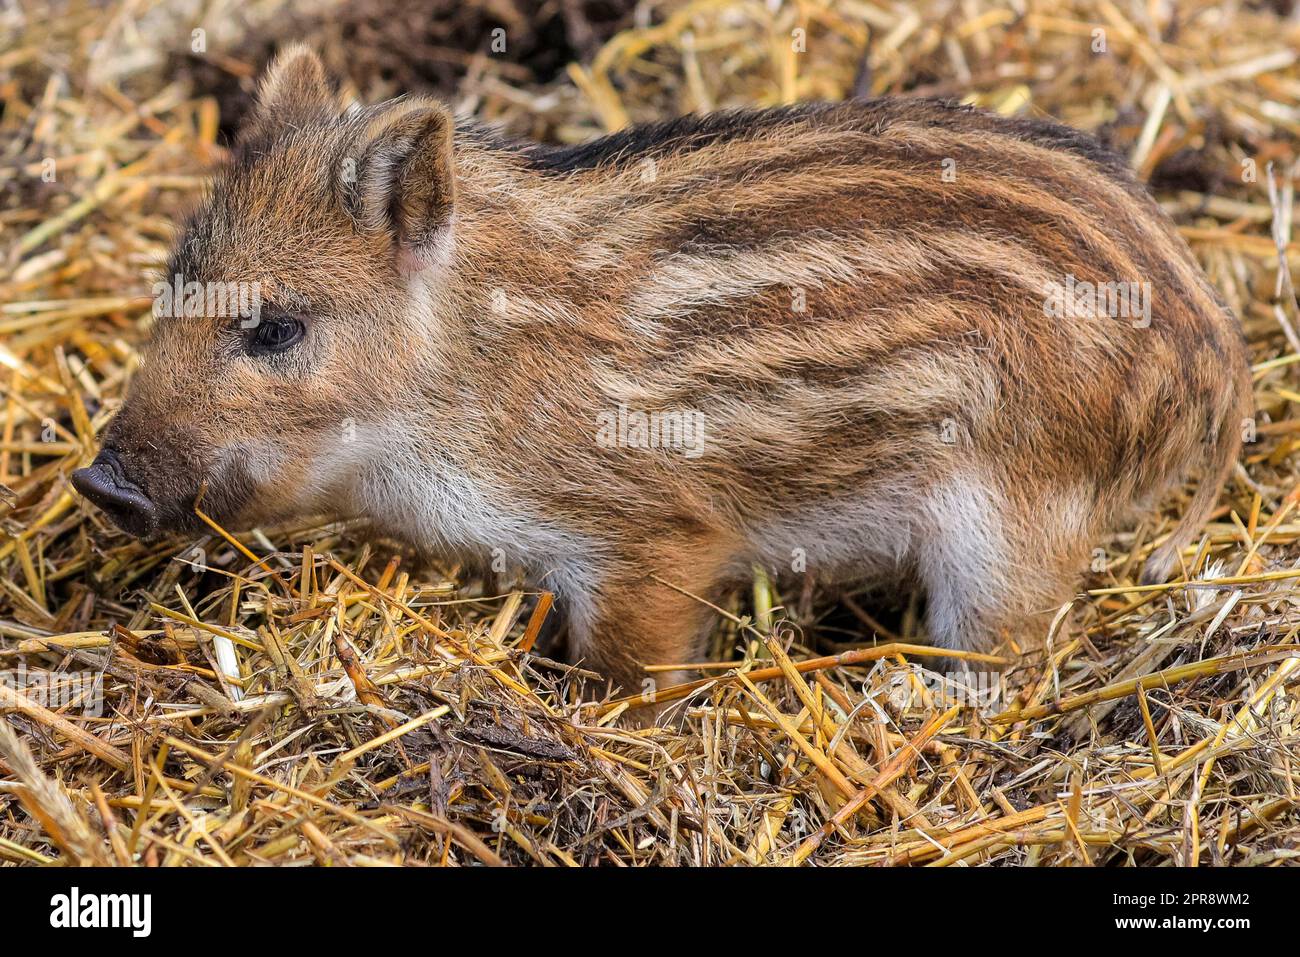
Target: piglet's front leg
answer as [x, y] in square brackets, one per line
[648, 611]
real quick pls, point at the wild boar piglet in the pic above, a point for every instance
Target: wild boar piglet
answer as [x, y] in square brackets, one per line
[895, 340]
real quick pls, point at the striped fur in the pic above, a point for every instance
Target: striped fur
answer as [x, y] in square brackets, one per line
[863, 337]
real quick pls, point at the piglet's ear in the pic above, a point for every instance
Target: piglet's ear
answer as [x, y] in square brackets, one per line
[294, 90]
[405, 181]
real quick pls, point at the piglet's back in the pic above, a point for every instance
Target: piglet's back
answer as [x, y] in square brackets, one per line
[856, 293]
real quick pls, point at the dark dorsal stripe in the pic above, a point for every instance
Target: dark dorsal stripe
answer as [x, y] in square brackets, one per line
[686, 134]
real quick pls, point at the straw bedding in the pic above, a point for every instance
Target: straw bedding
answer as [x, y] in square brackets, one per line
[308, 695]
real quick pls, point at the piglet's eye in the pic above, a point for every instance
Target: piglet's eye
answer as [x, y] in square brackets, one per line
[276, 334]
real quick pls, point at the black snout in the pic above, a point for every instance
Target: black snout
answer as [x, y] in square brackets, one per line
[105, 483]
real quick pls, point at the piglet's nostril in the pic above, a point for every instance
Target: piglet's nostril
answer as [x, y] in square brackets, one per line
[110, 460]
[105, 483]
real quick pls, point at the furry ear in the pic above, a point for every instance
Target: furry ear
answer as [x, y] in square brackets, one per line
[404, 180]
[295, 89]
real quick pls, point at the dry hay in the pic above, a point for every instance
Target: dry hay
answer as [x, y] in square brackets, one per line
[298, 695]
